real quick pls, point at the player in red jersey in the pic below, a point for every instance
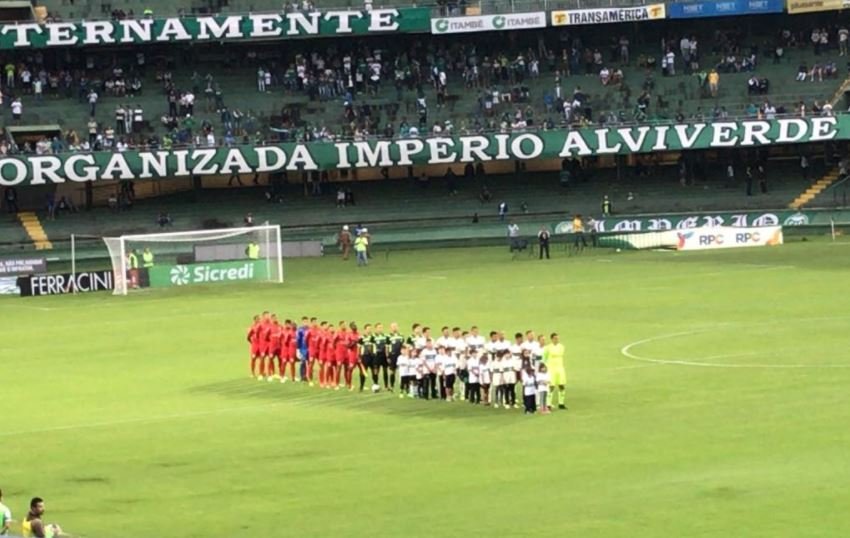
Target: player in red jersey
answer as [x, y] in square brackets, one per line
[292, 352]
[340, 354]
[289, 349]
[312, 349]
[253, 341]
[320, 351]
[263, 331]
[352, 356]
[275, 349]
[330, 357]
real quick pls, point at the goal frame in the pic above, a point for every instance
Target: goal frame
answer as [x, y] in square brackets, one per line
[120, 271]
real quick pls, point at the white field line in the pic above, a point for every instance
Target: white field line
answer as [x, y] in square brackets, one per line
[627, 352]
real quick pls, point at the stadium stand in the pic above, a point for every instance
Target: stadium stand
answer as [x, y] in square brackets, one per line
[519, 85]
[400, 211]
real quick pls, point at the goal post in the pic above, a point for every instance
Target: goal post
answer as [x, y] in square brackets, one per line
[158, 260]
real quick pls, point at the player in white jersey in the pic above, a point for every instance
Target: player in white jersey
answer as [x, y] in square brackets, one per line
[474, 340]
[403, 364]
[531, 345]
[497, 366]
[444, 340]
[428, 390]
[447, 366]
[501, 344]
[484, 375]
[474, 381]
[542, 388]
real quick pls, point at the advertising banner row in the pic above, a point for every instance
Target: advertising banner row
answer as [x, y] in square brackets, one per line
[557, 144]
[367, 22]
[690, 221]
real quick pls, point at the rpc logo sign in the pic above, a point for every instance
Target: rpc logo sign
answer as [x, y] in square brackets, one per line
[747, 238]
[729, 237]
[709, 240]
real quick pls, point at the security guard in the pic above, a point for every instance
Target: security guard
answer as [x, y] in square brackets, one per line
[147, 258]
[253, 251]
[133, 268]
[147, 265]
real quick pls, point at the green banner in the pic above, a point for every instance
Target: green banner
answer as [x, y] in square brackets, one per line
[217, 28]
[83, 167]
[162, 276]
[735, 219]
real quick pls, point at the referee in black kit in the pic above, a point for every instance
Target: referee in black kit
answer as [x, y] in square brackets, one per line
[396, 341]
[543, 239]
[380, 344]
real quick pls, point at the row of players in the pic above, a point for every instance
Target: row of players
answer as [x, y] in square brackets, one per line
[488, 370]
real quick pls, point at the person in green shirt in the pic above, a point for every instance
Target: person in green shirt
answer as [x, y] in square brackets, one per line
[5, 516]
[553, 357]
[361, 244]
[147, 258]
[133, 268]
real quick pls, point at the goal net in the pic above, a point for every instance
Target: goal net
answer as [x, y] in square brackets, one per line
[227, 255]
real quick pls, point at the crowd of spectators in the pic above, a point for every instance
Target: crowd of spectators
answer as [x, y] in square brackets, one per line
[423, 77]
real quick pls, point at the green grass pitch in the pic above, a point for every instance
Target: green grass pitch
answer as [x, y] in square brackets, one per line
[707, 392]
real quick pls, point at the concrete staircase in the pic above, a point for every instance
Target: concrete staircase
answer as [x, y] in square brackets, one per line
[816, 188]
[35, 231]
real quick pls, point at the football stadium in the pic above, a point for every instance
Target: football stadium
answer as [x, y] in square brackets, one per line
[327, 268]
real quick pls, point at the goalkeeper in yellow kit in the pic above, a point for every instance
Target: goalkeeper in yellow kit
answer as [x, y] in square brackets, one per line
[553, 357]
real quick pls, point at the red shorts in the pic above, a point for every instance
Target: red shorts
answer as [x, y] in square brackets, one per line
[255, 350]
[275, 352]
[352, 358]
[311, 353]
[291, 355]
[341, 355]
[263, 349]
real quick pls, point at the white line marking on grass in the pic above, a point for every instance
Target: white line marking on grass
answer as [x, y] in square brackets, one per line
[626, 351]
[632, 367]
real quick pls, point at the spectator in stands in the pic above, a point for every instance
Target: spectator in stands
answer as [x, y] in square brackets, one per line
[248, 220]
[503, 210]
[92, 98]
[10, 195]
[802, 72]
[51, 206]
[138, 119]
[66, 205]
[10, 75]
[816, 71]
[17, 110]
[606, 206]
[163, 220]
[92, 127]
[713, 82]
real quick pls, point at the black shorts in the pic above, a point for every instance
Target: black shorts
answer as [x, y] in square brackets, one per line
[367, 359]
[380, 360]
[449, 381]
[392, 361]
[463, 375]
